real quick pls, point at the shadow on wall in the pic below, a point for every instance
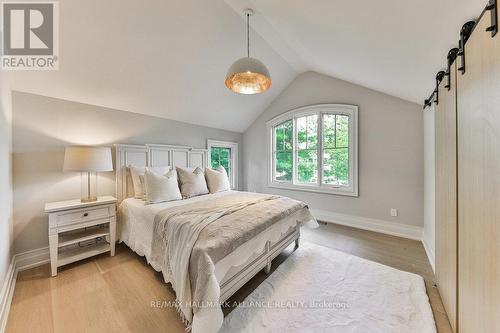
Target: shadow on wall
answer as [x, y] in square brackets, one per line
[6, 221]
[38, 178]
[40, 137]
[44, 123]
[43, 127]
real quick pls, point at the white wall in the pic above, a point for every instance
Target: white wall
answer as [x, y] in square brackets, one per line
[163, 58]
[429, 185]
[43, 126]
[6, 239]
[390, 150]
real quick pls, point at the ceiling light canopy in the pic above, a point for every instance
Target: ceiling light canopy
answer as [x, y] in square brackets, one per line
[248, 75]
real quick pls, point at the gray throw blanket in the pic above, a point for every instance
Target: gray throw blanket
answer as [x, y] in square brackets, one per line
[190, 239]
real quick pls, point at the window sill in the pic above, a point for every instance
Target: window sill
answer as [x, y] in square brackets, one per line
[304, 188]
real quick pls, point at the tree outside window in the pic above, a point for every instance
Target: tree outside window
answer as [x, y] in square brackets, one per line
[225, 154]
[315, 148]
[220, 156]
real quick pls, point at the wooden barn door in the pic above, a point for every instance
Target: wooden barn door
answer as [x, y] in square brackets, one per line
[446, 195]
[479, 183]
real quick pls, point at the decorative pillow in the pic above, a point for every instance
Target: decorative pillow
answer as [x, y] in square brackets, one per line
[217, 180]
[137, 172]
[161, 188]
[192, 182]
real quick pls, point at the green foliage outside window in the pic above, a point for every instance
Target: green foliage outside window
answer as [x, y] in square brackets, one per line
[220, 156]
[307, 149]
[283, 135]
[335, 149]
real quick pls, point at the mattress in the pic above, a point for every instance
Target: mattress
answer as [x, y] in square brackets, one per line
[137, 224]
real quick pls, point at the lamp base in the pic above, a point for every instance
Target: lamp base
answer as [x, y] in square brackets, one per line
[90, 199]
[89, 187]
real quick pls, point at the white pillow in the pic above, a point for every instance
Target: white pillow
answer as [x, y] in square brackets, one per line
[192, 182]
[161, 188]
[137, 172]
[217, 180]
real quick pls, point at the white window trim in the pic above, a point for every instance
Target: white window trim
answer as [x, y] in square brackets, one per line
[319, 109]
[234, 158]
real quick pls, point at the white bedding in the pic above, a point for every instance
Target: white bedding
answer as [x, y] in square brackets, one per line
[137, 224]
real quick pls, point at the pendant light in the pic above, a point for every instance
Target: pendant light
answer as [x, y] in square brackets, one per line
[248, 75]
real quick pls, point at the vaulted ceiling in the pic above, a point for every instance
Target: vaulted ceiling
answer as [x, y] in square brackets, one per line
[393, 46]
[169, 58]
[156, 57]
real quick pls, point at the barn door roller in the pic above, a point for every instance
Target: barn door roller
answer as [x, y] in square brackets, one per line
[492, 7]
[465, 33]
[439, 77]
[452, 55]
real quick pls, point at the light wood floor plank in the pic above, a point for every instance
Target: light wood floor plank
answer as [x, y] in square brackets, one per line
[107, 294]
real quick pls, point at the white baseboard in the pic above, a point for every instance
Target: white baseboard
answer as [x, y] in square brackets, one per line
[430, 254]
[33, 258]
[19, 262]
[6, 294]
[385, 227]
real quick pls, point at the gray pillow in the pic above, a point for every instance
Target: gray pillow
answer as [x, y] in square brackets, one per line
[192, 182]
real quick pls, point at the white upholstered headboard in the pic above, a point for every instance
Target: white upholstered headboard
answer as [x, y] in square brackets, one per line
[153, 155]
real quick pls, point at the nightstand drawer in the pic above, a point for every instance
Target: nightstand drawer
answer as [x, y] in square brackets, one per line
[83, 215]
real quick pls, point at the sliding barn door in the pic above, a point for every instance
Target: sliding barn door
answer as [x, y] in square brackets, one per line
[479, 183]
[446, 195]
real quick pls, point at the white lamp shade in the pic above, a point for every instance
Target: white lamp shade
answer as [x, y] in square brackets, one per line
[88, 159]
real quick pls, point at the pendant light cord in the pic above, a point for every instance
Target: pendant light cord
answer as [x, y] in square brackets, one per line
[248, 35]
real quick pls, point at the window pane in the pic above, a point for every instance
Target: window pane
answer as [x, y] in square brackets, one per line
[342, 132]
[283, 166]
[307, 166]
[336, 150]
[221, 156]
[307, 145]
[307, 132]
[214, 157]
[329, 131]
[283, 136]
[224, 157]
[283, 156]
[336, 166]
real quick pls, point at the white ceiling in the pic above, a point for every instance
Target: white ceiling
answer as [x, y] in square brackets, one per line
[393, 46]
[169, 58]
[161, 58]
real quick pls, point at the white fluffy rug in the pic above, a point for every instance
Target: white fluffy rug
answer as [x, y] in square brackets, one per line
[318, 289]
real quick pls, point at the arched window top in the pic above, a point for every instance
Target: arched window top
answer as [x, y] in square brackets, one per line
[314, 148]
[316, 108]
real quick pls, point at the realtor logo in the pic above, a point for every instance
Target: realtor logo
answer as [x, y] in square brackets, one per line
[30, 35]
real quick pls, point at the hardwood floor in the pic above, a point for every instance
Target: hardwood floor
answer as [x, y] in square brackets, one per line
[118, 294]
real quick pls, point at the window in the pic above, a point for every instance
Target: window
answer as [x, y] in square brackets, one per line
[283, 151]
[314, 148]
[223, 153]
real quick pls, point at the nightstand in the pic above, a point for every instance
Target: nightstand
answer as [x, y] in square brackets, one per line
[79, 230]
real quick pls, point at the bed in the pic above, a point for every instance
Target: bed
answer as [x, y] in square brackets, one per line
[221, 275]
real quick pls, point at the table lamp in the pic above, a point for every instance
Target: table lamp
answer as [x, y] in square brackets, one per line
[89, 161]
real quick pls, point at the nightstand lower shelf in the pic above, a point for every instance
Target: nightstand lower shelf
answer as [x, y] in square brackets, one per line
[71, 238]
[78, 253]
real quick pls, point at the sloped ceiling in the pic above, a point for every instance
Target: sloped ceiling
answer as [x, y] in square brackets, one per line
[156, 57]
[393, 46]
[168, 58]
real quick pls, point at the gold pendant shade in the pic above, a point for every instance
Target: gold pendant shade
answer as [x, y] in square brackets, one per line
[248, 75]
